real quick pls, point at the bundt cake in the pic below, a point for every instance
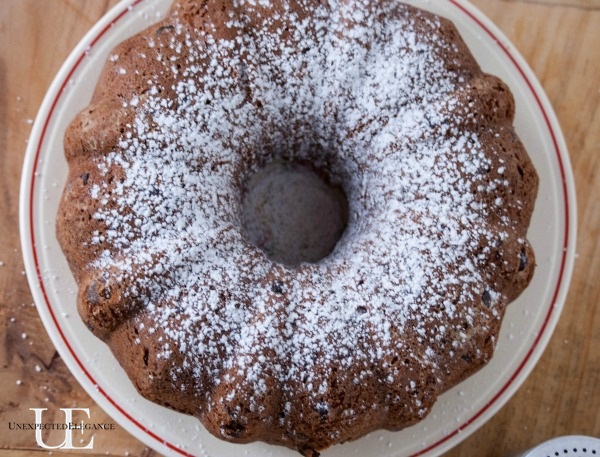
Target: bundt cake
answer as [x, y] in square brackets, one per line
[370, 118]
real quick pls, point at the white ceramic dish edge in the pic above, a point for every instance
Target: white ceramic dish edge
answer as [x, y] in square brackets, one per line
[37, 283]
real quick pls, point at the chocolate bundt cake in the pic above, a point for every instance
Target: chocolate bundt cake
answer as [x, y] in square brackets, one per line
[369, 118]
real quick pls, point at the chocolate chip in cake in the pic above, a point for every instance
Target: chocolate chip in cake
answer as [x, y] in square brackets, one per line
[277, 287]
[233, 430]
[522, 260]
[486, 298]
[323, 411]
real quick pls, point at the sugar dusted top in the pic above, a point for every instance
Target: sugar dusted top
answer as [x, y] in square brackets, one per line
[385, 100]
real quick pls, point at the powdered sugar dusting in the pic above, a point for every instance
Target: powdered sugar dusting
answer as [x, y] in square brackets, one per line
[360, 94]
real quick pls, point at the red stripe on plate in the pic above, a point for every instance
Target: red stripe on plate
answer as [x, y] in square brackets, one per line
[33, 242]
[551, 308]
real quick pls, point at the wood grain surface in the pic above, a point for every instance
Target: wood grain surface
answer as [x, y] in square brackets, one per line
[560, 39]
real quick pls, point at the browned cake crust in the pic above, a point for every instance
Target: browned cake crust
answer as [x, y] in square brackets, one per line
[388, 102]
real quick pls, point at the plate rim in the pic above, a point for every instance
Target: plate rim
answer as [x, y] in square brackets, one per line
[133, 426]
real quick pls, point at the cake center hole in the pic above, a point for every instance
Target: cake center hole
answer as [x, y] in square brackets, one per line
[292, 213]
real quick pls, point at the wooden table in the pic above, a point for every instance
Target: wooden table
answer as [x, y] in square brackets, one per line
[559, 38]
